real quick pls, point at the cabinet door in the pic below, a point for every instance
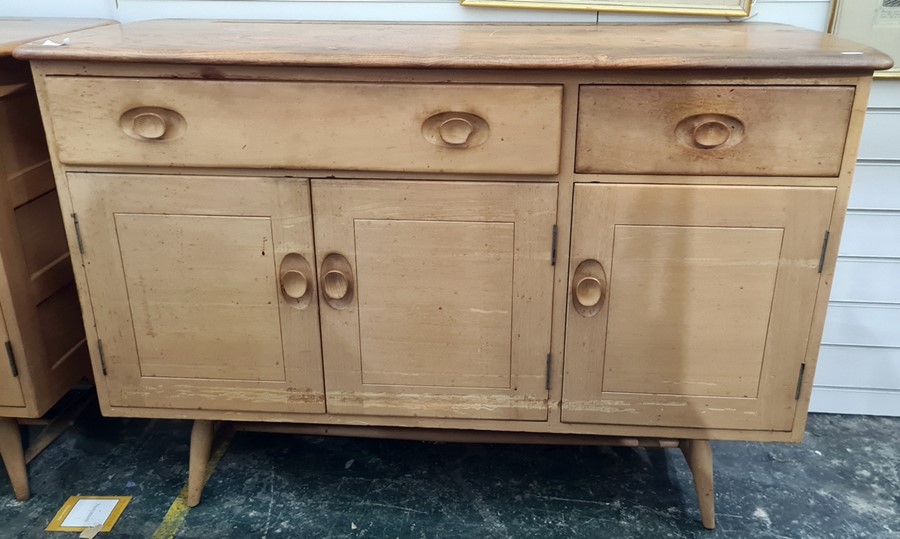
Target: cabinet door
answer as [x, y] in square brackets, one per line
[202, 290]
[436, 297]
[10, 389]
[690, 306]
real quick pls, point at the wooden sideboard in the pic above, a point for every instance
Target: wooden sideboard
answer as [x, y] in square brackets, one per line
[44, 352]
[549, 234]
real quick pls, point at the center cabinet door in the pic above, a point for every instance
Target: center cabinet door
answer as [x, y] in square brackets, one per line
[202, 290]
[690, 306]
[436, 297]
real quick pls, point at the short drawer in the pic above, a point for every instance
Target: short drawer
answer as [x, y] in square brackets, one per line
[713, 130]
[466, 128]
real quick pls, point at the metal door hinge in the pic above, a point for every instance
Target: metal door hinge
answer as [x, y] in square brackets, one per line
[800, 381]
[12, 359]
[547, 381]
[78, 233]
[102, 357]
[553, 247]
[824, 248]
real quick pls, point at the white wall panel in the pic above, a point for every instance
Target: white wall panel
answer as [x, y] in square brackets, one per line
[850, 324]
[871, 233]
[876, 186]
[860, 401]
[103, 9]
[427, 11]
[853, 367]
[867, 281]
[879, 140]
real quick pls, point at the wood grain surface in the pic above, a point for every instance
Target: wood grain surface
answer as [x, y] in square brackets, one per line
[681, 46]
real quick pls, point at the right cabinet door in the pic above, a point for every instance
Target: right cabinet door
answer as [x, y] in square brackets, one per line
[690, 306]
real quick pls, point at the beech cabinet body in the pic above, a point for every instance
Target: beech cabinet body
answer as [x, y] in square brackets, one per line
[495, 230]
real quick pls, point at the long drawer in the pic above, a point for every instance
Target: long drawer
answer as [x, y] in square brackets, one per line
[467, 128]
[713, 130]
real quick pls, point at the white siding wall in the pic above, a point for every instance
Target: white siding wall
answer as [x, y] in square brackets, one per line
[859, 369]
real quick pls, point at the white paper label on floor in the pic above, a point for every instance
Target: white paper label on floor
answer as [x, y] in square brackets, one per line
[89, 513]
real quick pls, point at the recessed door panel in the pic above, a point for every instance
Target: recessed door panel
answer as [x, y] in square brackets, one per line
[436, 302]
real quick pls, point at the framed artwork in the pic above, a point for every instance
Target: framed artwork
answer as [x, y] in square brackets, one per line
[875, 23]
[724, 8]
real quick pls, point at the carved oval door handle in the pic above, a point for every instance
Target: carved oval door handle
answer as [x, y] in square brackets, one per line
[589, 288]
[336, 285]
[456, 130]
[152, 124]
[588, 291]
[337, 281]
[296, 286]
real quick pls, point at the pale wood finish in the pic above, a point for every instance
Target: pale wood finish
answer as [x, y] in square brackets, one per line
[13, 456]
[379, 126]
[770, 131]
[724, 46]
[10, 388]
[698, 455]
[452, 313]
[711, 294]
[202, 435]
[392, 240]
[182, 274]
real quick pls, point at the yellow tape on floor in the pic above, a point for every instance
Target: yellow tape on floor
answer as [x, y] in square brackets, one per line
[178, 511]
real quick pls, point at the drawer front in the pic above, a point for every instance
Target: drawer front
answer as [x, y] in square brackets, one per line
[331, 126]
[715, 130]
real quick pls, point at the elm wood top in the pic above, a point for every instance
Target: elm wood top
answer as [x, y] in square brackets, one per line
[588, 47]
[14, 32]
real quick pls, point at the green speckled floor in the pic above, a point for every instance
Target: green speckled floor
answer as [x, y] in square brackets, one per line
[842, 482]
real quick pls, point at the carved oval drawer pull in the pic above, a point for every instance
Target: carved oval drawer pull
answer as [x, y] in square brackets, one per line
[710, 131]
[337, 281]
[296, 286]
[711, 134]
[149, 125]
[456, 130]
[152, 124]
[589, 288]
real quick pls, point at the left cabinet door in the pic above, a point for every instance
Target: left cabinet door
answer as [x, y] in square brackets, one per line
[10, 389]
[202, 290]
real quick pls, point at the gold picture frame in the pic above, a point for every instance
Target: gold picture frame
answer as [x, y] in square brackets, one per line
[875, 23]
[721, 8]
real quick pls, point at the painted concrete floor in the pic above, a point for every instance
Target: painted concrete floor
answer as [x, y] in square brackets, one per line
[842, 482]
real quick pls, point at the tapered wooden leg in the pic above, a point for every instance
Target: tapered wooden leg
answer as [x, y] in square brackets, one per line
[698, 455]
[201, 447]
[14, 457]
